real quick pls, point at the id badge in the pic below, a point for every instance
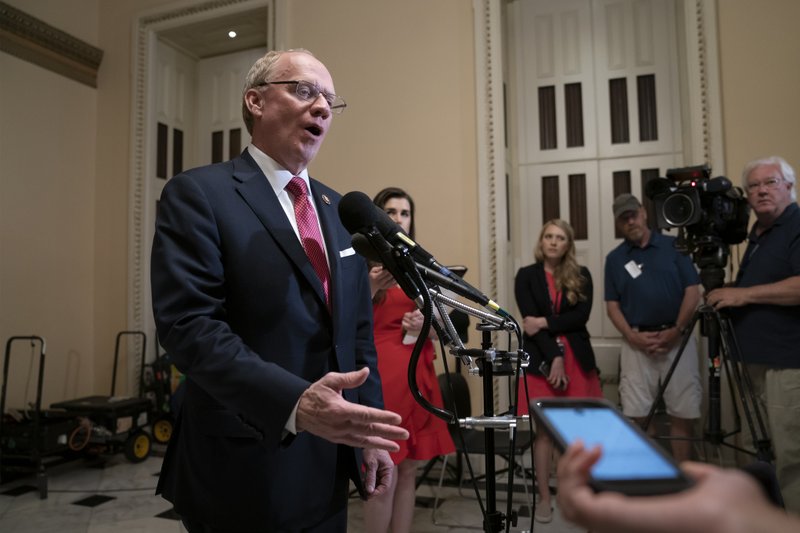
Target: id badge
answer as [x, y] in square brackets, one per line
[633, 268]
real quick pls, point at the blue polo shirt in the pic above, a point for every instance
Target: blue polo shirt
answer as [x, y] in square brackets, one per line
[770, 334]
[653, 297]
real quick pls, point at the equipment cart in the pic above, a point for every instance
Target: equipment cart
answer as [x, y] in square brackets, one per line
[31, 440]
[117, 423]
[158, 381]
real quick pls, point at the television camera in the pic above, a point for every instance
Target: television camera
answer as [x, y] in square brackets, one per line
[711, 214]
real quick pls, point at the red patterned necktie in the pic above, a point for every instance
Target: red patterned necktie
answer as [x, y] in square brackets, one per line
[309, 233]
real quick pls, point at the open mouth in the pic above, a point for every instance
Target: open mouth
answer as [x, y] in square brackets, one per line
[316, 131]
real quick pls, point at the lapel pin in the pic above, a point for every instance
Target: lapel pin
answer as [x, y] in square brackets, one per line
[326, 199]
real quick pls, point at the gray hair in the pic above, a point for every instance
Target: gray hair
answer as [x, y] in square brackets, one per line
[260, 72]
[786, 171]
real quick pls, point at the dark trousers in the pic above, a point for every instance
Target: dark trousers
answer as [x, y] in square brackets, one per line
[336, 523]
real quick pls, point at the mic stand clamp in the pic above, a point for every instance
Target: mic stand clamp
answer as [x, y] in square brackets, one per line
[495, 422]
[490, 362]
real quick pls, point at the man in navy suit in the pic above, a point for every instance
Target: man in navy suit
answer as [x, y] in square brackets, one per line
[283, 401]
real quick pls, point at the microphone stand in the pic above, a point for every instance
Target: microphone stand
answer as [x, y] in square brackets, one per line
[490, 362]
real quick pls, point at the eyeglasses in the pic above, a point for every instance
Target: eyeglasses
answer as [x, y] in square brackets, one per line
[769, 183]
[307, 91]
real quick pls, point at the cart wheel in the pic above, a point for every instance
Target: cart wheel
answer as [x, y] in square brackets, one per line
[137, 447]
[80, 436]
[162, 429]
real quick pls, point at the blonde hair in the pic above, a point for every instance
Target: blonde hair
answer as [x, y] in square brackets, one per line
[567, 273]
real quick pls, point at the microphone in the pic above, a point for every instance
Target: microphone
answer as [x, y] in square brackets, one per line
[358, 214]
[374, 247]
[462, 289]
[364, 248]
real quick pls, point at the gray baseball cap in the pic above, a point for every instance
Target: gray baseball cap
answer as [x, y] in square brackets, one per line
[625, 202]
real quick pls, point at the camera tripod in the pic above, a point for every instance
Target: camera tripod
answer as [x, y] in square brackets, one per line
[723, 352]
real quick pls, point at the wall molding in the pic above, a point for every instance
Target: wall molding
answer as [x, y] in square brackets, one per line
[490, 146]
[490, 151]
[37, 42]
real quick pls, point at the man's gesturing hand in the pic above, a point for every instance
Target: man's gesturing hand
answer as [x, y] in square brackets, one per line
[324, 412]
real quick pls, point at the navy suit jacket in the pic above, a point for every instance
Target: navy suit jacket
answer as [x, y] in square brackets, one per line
[241, 312]
[533, 299]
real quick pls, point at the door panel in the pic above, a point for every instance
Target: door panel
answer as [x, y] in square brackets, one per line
[596, 87]
[636, 77]
[193, 99]
[221, 134]
[567, 191]
[175, 82]
[637, 170]
[556, 74]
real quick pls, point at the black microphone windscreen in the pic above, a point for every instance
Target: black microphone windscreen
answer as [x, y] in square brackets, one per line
[386, 226]
[364, 248]
[357, 212]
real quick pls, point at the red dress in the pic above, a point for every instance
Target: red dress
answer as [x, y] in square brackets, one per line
[582, 384]
[428, 434]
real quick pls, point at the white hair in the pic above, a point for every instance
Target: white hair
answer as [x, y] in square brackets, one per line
[786, 171]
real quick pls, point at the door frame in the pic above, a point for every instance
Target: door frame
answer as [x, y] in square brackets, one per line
[702, 125]
[143, 143]
[499, 211]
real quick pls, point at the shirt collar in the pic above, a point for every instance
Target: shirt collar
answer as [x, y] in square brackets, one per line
[655, 240]
[787, 212]
[277, 176]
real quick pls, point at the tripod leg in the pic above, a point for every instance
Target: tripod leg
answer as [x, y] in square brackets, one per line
[714, 431]
[747, 396]
[684, 341]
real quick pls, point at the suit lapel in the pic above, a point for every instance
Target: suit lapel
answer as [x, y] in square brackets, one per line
[329, 220]
[256, 192]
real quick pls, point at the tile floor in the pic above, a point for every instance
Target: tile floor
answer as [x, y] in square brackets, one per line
[118, 496]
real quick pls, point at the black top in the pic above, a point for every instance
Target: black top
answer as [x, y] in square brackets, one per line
[533, 299]
[769, 334]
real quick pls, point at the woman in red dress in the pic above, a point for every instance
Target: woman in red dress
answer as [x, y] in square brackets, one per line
[397, 324]
[554, 296]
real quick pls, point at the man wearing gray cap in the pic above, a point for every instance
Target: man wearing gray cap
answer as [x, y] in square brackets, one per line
[651, 293]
